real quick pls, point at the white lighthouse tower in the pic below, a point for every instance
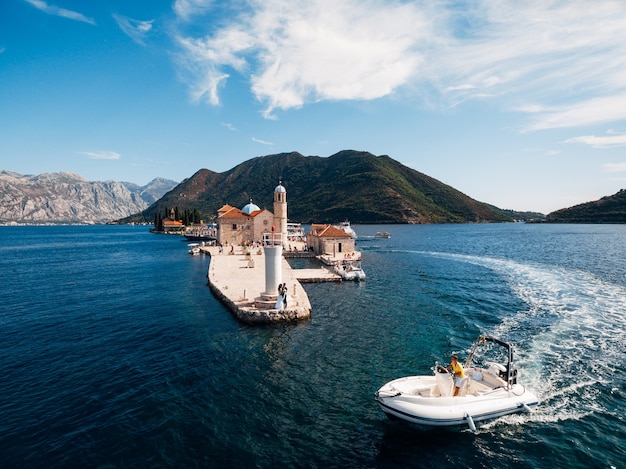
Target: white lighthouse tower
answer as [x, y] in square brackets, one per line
[274, 249]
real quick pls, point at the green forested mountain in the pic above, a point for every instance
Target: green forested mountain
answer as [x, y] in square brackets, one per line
[350, 185]
[610, 209]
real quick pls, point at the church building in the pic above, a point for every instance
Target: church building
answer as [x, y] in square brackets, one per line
[330, 240]
[251, 223]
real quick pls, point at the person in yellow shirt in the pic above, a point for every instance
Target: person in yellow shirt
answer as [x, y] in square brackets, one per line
[459, 374]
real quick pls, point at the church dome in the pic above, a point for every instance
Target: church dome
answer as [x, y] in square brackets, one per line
[280, 188]
[249, 208]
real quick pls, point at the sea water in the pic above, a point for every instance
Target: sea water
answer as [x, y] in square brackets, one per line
[114, 353]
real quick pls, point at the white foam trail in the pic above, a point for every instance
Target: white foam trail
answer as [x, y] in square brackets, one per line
[573, 329]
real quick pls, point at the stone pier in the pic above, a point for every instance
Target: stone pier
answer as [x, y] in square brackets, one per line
[239, 281]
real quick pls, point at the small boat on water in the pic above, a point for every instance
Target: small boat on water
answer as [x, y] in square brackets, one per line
[194, 249]
[382, 234]
[349, 270]
[489, 391]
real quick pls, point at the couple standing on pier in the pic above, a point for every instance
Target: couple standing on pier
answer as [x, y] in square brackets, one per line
[281, 302]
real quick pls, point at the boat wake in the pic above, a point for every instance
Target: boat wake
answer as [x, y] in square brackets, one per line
[569, 339]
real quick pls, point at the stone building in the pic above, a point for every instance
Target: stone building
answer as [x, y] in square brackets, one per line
[329, 240]
[251, 223]
[171, 224]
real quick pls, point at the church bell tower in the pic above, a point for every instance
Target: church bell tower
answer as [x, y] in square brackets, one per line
[280, 211]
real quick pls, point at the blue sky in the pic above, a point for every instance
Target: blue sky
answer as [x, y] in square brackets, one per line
[518, 104]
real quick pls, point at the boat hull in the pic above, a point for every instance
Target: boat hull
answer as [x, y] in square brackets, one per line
[410, 399]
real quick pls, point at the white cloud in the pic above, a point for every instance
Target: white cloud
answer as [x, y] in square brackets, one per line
[54, 10]
[263, 142]
[329, 50]
[599, 141]
[185, 9]
[135, 29]
[229, 126]
[102, 155]
[202, 63]
[564, 62]
[300, 51]
[585, 112]
[614, 167]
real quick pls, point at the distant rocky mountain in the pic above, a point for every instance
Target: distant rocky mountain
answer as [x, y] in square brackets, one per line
[350, 185]
[610, 209]
[69, 198]
[152, 191]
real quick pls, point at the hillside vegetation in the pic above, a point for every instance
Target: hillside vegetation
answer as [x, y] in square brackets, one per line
[610, 209]
[349, 185]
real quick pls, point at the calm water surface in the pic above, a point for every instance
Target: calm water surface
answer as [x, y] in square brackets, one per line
[114, 353]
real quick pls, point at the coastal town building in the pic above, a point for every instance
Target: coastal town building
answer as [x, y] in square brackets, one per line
[329, 240]
[251, 223]
[172, 225]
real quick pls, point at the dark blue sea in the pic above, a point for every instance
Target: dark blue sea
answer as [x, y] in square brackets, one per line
[115, 354]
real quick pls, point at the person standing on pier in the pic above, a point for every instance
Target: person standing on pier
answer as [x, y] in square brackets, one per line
[280, 301]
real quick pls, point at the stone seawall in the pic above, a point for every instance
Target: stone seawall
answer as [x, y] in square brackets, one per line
[246, 311]
[239, 284]
[299, 255]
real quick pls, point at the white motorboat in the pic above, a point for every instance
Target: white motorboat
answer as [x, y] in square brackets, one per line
[345, 226]
[489, 391]
[194, 249]
[349, 270]
[295, 232]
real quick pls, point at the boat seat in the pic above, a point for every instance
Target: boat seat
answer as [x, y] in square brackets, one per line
[493, 381]
[476, 388]
[425, 391]
[480, 381]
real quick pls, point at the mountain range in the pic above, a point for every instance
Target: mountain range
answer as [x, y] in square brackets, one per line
[349, 185]
[68, 198]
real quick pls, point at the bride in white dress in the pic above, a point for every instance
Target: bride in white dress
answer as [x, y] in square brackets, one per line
[280, 302]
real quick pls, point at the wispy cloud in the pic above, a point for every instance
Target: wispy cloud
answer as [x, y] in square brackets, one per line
[54, 10]
[604, 141]
[185, 9]
[229, 126]
[614, 167]
[299, 51]
[135, 29]
[584, 112]
[563, 62]
[102, 155]
[263, 142]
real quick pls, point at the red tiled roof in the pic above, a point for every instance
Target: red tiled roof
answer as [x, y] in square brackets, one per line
[225, 208]
[328, 231]
[233, 213]
[258, 212]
